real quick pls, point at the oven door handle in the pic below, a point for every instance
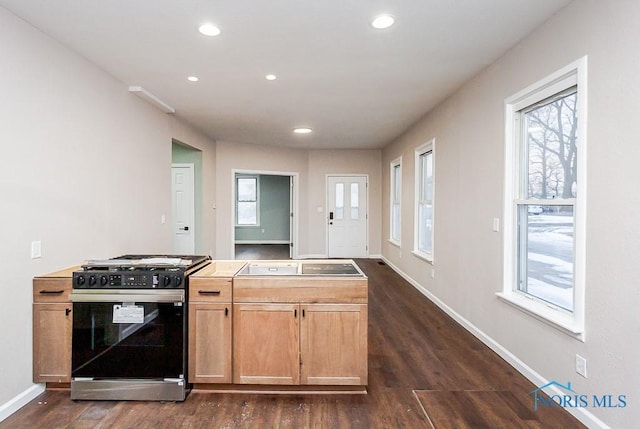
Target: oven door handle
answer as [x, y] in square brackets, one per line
[128, 297]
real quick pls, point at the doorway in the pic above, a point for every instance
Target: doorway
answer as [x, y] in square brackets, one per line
[347, 217]
[186, 203]
[182, 209]
[264, 221]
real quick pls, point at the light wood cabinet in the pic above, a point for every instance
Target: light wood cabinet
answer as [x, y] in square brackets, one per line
[333, 344]
[266, 344]
[290, 331]
[52, 322]
[315, 344]
[210, 316]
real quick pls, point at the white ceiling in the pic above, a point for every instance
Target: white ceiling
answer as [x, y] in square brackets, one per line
[357, 87]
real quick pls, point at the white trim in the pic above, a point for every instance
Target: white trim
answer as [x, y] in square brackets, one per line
[294, 204]
[19, 401]
[326, 204]
[429, 146]
[549, 314]
[584, 416]
[395, 163]
[394, 242]
[573, 74]
[257, 201]
[262, 242]
[151, 99]
[313, 256]
[192, 219]
[423, 256]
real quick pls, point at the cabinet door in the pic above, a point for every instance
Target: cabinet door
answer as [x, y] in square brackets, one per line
[52, 342]
[209, 343]
[266, 344]
[333, 344]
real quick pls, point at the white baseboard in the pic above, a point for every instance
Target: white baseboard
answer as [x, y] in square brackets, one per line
[261, 242]
[20, 401]
[312, 256]
[584, 416]
[324, 256]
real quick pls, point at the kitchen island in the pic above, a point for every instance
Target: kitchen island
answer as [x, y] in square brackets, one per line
[263, 326]
[295, 326]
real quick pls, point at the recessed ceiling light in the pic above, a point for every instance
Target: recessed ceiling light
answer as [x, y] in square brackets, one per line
[192, 78]
[382, 21]
[302, 130]
[209, 30]
[271, 77]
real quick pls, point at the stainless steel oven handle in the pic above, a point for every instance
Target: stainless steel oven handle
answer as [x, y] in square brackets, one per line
[137, 296]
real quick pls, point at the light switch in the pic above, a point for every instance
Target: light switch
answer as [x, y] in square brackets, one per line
[496, 224]
[36, 249]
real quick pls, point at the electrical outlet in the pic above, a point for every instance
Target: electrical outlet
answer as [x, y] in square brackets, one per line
[496, 224]
[581, 365]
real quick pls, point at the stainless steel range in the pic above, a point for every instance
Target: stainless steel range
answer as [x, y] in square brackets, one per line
[129, 337]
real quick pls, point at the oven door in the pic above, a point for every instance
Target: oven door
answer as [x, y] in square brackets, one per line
[128, 334]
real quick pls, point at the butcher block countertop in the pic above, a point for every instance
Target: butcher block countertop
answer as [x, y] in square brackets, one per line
[220, 269]
[67, 272]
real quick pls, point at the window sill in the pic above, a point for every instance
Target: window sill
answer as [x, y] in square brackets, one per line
[554, 318]
[394, 242]
[424, 256]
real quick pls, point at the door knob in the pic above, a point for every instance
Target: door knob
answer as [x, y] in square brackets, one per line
[186, 228]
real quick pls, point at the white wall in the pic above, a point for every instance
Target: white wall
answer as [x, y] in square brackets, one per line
[86, 169]
[469, 132]
[323, 162]
[312, 166]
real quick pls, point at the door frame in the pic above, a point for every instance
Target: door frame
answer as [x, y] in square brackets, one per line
[293, 204]
[326, 204]
[192, 220]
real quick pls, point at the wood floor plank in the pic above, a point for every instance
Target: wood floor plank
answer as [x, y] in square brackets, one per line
[413, 346]
[489, 409]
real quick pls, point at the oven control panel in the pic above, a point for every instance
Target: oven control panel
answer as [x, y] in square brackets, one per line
[128, 280]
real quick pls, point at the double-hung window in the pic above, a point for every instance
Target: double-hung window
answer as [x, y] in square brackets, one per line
[544, 199]
[396, 188]
[423, 241]
[247, 201]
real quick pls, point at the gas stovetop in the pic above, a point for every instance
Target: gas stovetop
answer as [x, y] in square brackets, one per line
[145, 262]
[138, 272]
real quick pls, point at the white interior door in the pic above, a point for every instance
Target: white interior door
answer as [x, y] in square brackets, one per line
[347, 216]
[183, 216]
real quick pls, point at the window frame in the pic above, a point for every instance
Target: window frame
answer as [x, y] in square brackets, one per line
[571, 323]
[395, 183]
[424, 149]
[257, 200]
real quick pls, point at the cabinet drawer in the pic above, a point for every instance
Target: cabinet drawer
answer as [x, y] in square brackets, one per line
[51, 289]
[210, 290]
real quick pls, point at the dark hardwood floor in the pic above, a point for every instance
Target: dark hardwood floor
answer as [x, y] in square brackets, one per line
[425, 371]
[262, 251]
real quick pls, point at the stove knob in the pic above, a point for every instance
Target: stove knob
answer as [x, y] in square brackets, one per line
[92, 280]
[166, 281]
[103, 280]
[80, 280]
[178, 280]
